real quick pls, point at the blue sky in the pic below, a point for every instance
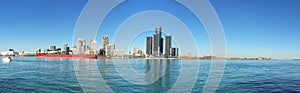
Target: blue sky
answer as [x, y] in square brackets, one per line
[253, 28]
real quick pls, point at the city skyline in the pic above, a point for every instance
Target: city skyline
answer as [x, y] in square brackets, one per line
[163, 49]
[252, 29]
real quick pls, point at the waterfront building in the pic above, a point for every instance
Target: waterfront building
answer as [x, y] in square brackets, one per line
[102, 52]
[118, 53]
[67, 52]
[85, 47]
[109, 50]
[174, 52]
[74, 50]
[52, 48]
[157, 48]
[80, 48]
[210, 57]
[149, 45]
[105, 42]
[168, 44]
[10, 52]
[140, 52]
[65, 47]
[93, 46]
[136, 50]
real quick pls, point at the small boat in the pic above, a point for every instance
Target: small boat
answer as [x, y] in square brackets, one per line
[6, 59]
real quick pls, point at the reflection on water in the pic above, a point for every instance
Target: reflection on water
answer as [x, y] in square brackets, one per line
[155, 69]
[164, 83]
[89, 77]
[30, 74]
[156, 75]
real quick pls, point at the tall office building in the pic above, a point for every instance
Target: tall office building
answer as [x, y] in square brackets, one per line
[102, 52]
[174, 52]
[157, 48]
[65, 47]
[52, 48]
[161, 48]
[149, 45]
[109, 50]
[85, 47]
[105, 42]
[158, 31]
[168, 44]
[80, 46]
[161, 40]
[93, 45]
[67, 52]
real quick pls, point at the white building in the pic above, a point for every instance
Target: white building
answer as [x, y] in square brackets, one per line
[136, 50]
[80, 48]
[119, 53]
[93, 46]
[109, 50]
[10, 52]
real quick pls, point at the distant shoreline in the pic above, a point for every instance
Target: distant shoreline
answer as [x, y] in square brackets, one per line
[156, 58]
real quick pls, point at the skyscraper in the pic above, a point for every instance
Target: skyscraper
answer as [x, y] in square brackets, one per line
[80, 47]
[65, 47]
[158, 31]
[52, 48]
[109, 50]
[168, 44]
[149, 45]
[161, 48]
[93, 46]
[85, 47]
[104, 42]
[157, 48]
[174, 52]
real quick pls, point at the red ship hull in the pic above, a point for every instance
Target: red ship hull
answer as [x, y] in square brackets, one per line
[65, 56]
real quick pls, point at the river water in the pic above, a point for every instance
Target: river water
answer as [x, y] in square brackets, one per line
[30, 74]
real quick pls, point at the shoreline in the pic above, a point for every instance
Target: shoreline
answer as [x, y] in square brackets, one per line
[156, 58]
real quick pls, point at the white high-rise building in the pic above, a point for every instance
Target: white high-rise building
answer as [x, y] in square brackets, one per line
[93, 46]
[80, 48]
[109, 50]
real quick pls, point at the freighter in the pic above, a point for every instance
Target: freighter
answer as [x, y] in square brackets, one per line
[91, 56]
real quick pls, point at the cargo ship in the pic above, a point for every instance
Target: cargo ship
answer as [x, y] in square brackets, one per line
[91, 56]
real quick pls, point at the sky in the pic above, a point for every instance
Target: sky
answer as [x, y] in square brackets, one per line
[253, 28]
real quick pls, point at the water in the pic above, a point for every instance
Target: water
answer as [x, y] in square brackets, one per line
[30, 74]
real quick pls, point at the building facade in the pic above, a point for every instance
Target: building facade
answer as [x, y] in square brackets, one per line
[93, 46]
[80, 47]
[174, 52]
[105, 41]
[149, 45]
[168, 44]
[52, 48]
[109, 50]
[157, 48]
